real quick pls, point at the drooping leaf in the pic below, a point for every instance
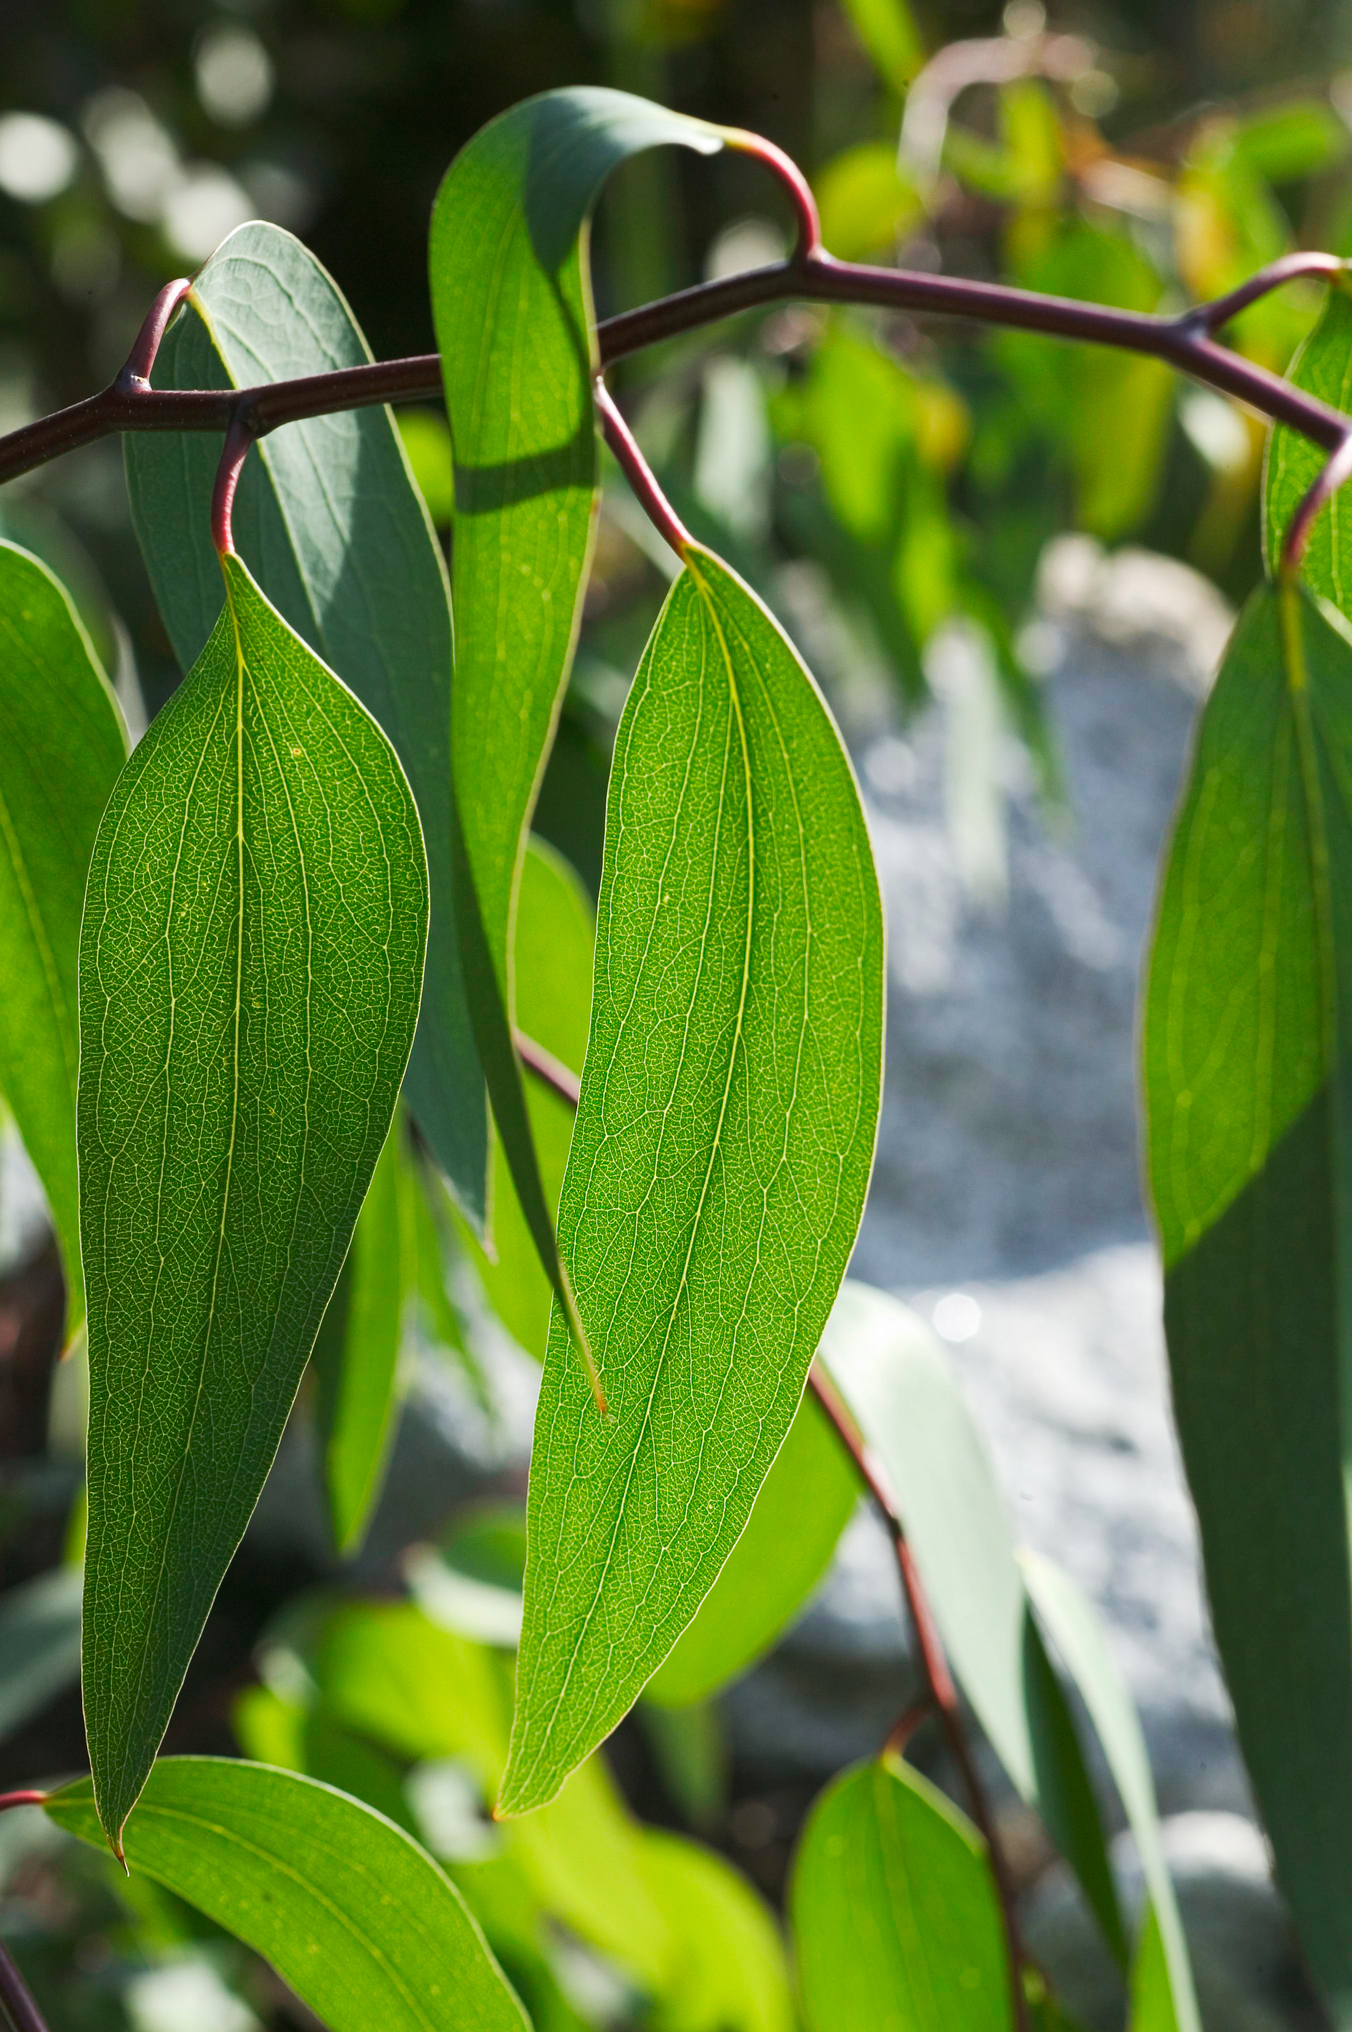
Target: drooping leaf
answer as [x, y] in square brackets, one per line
[329, 522]
[906, 1400]
[250, 965]
[895, 1917]
[729, 1971]
[511, 300]
[356, 1353]
[61, 747]
[357, 1918]
[720, 1159]
[1323, 368]
[804, 1504]
[1245, 1050]
[39, 1643]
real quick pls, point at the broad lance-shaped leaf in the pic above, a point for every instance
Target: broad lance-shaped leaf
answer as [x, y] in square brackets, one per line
[61, 746]
[360, 1921]
[250, 964]
[1322, 367]
[895, 1917]
[1248, 1029]
[511, 300]
[329, 522]
[720, 1159]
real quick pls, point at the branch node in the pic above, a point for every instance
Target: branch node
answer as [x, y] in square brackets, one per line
[791, 180]
[133, 377]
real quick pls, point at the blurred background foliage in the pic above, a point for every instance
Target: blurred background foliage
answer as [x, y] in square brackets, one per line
[889, 485]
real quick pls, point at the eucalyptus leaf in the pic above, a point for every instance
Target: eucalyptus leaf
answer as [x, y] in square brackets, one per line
[332, 527]
[359, 1920]
[730, 1973]
[61, 746]
[1245, 1055]
[1152, 1995]
[1323, 368]
[511, 300]
[720, 1159]
[250, 966]
[895, 1917]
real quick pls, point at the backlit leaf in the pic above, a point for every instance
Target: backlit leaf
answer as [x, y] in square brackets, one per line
[1323, 368]
[895, 1918]
[360, 1921]
[330, 524]
[250, 965]
[511, 301]
[720, 1159]
[1245, 1056]
[61, 747]
[729, 1972]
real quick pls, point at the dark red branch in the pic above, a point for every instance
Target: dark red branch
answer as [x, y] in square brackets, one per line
[9, 1799]
[639, 473]
[238, 439]
[15, 1998]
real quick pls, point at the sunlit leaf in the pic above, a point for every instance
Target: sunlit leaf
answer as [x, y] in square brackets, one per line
[1245, 1056]
[865, 204]
[888, 31]
[1323, 368]
[729, 1972]
[512, 305]
[61, 747]
[359, 1920]
[250, 965]
[331, 526]
[720, 1159]
[895, 1917]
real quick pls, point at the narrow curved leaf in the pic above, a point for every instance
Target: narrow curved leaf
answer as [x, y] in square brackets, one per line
[1322, 367]
[356, 1352]
[908, 1405]
[511, 300]
[329, 522]
[1246, 1050]
[363, 1925]
[729, 1973]
[895, 1917]
[804, 1504]
[250, 965]
[61, 747]
[720, 1160]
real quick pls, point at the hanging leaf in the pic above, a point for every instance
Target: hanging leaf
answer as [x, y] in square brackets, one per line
[805, 1503]
[329, 522]
[356, 1354]
[359, 1920]
[895, 1918]
[61, 747]
[512, 304]
[1245, 1056]
[250, 966]
[720, 1159]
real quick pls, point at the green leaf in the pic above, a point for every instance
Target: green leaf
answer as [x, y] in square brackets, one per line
[906, 1401]
[250, 965]
[804, 1504]
[61, 747]
[351, 1913]
[1286, 142]
[1152, 1996]
[39, 1643]
[720, 1160]
[888, 31]
[1075, 1630]
[729, 1973]
[865, 204]
[356, 1353]
[552, 941]
[895, 1917]
[1245, 1056]
[511, 300]
[329, 522]
[1323, 368]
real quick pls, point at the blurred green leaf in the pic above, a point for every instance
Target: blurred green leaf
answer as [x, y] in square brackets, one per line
[1286, 142]
[351, 1913]
[1152, 1996]
[1323, 368]
[356, 1352]
[39, 1643]
[427, 447]
[730, 1973]
[1244, 1061]
[312, 499]
[389, 1673]
[511, 301]
[889, 33]
[805, 1502]
[720, 1158]
[691, 1753]
[865, 203]
[62, 748]
[258, 880]
[895, 1917]
[269, 1730]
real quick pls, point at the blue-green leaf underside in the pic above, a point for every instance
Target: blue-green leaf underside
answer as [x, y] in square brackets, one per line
[360, 1921]
[61, 747]
[250, 965]
[331, 525]
[720, 1159]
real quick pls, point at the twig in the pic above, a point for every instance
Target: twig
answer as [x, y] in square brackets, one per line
[550, 1071]
[15, 1998]
[9, 1799]
[238, 439]
[1335, 473]
[639, 473]
[940, 1693]
[1185, 342]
